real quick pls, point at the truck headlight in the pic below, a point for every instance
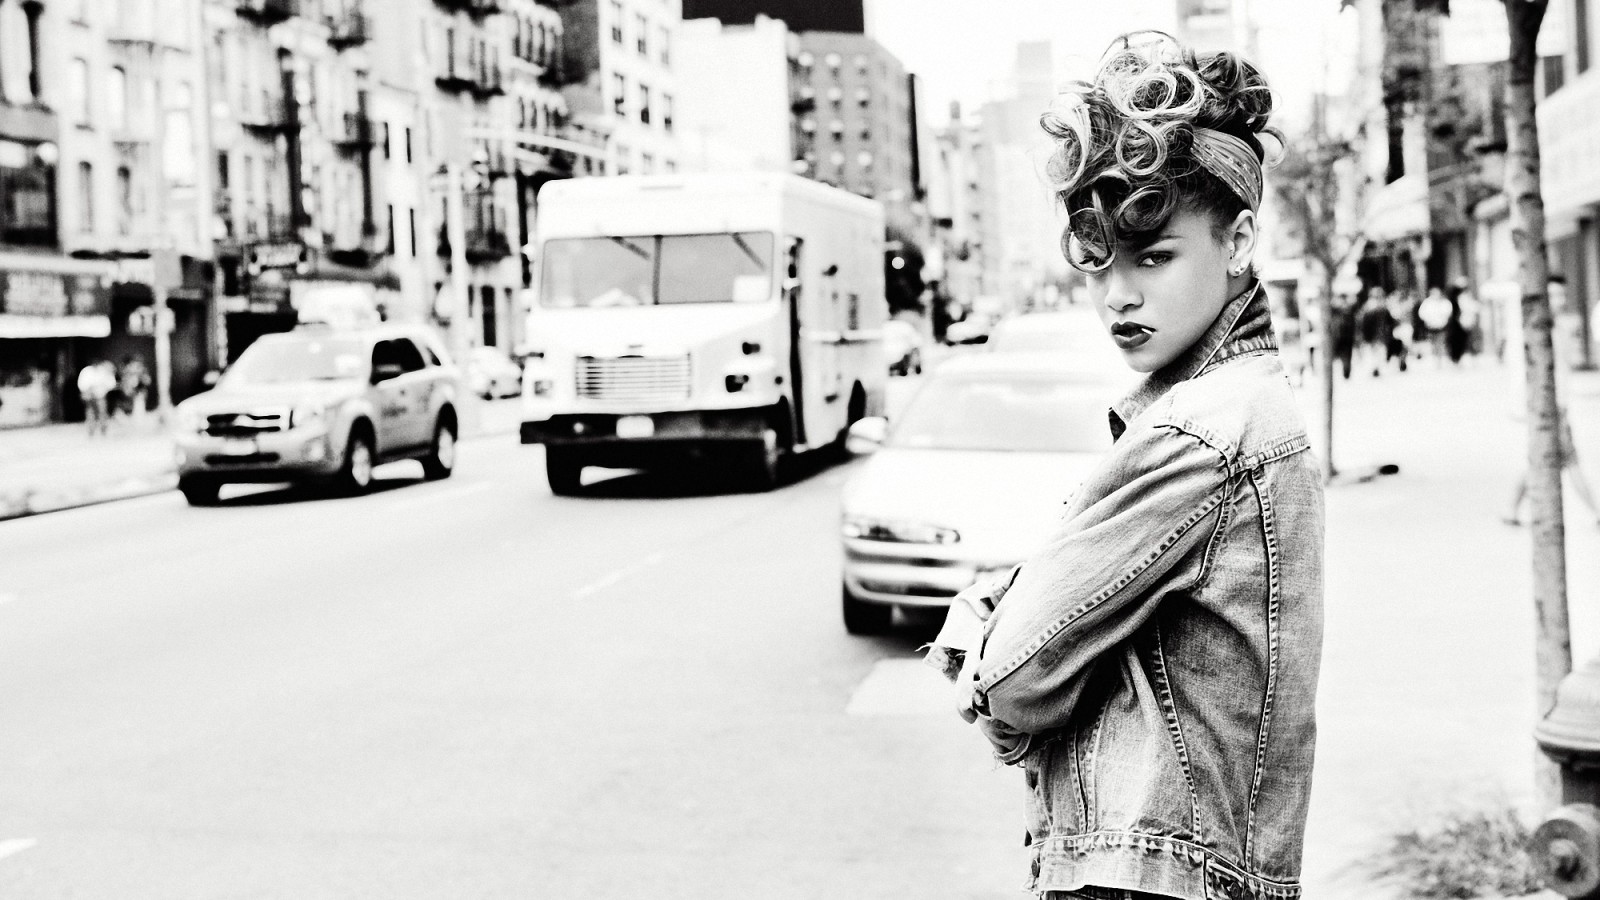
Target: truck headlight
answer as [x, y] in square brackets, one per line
[870, 529]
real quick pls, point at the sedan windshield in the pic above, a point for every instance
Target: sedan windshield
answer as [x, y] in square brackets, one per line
[649, 270]
[278, 361]
[1038, 413]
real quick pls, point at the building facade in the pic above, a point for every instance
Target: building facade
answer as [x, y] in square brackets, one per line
[104, 226]
[623, 88]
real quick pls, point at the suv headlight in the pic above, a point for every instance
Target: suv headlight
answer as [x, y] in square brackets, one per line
[869, 529]
[306, 415]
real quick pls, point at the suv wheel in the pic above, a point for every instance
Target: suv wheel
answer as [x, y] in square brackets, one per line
[199, 492]
[441, 460]
[563, 470]
[355, 476]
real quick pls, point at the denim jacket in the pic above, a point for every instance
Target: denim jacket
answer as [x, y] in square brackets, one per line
[1159, 656]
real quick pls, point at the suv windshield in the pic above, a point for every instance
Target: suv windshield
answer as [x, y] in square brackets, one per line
[300, 359]
[649, 270]
[1006, 412]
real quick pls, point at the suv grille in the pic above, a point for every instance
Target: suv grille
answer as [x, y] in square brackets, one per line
[246, 424]
[636, 379]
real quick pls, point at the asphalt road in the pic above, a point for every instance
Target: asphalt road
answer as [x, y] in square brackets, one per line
[472, 688]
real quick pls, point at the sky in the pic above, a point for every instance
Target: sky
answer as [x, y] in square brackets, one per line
[964, 49]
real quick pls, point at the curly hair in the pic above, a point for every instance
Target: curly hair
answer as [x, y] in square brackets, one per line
[1124, 157]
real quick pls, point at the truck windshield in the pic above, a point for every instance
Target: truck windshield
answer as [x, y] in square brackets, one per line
[277, 361]
[649, 270]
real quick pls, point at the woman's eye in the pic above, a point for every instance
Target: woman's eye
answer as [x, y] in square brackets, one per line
[1151, 260]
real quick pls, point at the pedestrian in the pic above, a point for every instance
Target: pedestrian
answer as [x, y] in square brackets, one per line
[1344, 332]
[1153, 669]
[133, 380]
[95, 383]
[1435, 311]
[1457, 332]
[1399, 328]
[1375, 329]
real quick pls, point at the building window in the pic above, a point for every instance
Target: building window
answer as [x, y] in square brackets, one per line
[124, 200]
[619, 93]
[1580, 32]
[666, 111]
[670, 166]
[117, 97]
[411, 232]
[647, 163]
[86, 197]
[642, 34]
[27, 194]
[644, 104]
[78, 85]
[19, 45]
[833, 62]
[386, 153]
[616, 22]
[408, 143]
[389, 246]
[664, 39]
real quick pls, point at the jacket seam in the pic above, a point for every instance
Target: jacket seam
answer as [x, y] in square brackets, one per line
[1274, 452]
[1195, 852]
[1270, 544]
[1195, 516]
[1175, 729]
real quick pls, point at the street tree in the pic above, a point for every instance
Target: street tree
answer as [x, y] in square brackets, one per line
[1309, 186]
[1553, 641]
[1553, 650]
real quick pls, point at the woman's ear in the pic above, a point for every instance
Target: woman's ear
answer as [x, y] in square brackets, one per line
[1241, 235]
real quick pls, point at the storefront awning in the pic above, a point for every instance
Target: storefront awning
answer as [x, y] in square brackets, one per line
[54, 326]
[1397, 210]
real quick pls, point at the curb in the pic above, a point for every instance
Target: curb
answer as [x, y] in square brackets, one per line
[32, 502]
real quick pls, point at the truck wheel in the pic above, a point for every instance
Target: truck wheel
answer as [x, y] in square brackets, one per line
[563, 470]
[355, 476]
[767, 461]
[441, 460]
[865, 618]
[199, 491]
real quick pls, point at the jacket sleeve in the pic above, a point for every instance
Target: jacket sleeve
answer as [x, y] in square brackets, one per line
[964, 624]
[1099, 578]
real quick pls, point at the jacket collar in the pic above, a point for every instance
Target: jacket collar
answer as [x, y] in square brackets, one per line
[1243, 327]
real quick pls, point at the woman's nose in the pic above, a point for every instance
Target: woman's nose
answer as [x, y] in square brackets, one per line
[1120, 293]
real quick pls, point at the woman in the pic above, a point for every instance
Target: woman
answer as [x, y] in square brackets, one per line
[1154, 667]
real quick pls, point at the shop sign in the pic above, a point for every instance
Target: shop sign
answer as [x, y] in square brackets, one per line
[52, 294]
[275, 256]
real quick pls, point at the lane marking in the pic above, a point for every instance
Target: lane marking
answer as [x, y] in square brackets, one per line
[613, 578]
[416, 500]
[15, 846]
[902, 687]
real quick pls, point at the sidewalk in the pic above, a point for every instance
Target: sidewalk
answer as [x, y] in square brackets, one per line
[55, 467]
[1426, 695]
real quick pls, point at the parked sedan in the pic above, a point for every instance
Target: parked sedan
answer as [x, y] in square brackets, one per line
[969, 481]
[490, 373]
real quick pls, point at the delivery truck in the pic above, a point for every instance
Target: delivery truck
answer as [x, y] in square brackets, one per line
[734, 318]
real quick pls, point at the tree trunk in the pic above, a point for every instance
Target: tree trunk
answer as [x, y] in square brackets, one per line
[1325, 364]
[1553, 648]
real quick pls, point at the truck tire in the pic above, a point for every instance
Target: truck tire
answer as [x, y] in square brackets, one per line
[768, 461]
[199, 491]
[863, 617]
[564, 470]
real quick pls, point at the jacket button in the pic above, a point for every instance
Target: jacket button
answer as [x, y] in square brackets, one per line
[1034, 866]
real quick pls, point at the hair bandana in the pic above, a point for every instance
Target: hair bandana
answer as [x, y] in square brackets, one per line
[1232, 161]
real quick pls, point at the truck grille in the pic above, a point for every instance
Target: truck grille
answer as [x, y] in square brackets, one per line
[246, 424]
[633, 379]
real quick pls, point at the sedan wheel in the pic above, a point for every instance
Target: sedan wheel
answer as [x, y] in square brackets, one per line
[862, 617]
[198, 491]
